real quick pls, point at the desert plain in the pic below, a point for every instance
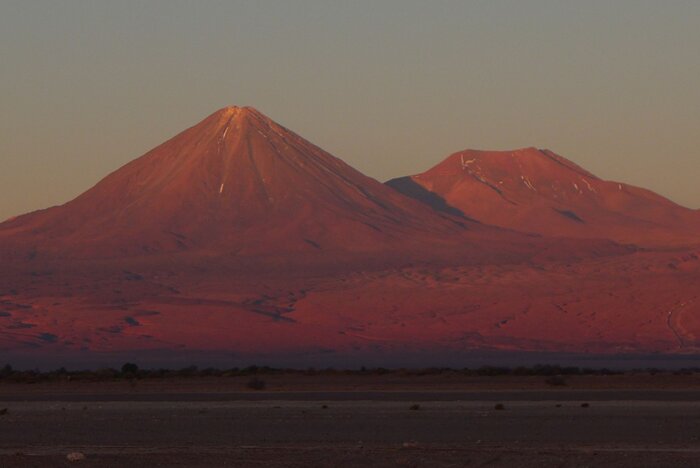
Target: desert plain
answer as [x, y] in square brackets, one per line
[444, 418]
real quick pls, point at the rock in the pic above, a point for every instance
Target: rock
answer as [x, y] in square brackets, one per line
[75, 456]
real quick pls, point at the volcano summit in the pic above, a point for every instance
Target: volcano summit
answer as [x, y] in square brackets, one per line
[236, 182]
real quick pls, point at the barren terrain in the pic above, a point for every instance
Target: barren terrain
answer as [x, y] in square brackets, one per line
[239, 237]
[591, 421]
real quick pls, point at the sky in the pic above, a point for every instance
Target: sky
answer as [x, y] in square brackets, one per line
[390, 86]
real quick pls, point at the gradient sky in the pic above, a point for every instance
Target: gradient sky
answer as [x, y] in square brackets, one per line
[392, 87]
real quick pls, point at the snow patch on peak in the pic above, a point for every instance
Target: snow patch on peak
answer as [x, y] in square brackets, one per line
[238, 112]
[588, 184]
[527, 183]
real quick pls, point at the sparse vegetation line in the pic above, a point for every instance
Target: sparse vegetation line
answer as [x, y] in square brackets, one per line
[555, 375]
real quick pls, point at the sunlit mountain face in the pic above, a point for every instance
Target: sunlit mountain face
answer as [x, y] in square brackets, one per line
[237, 236]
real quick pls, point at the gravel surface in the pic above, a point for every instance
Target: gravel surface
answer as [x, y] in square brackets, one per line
[351, 433]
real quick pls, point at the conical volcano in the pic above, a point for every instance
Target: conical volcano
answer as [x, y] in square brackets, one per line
[239, 238]
[236, 182]
[533, 190]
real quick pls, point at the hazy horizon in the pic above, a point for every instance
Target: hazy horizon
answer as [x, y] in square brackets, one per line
[390, 87]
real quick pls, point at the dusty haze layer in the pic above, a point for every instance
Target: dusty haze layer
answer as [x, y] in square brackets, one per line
[388, 86]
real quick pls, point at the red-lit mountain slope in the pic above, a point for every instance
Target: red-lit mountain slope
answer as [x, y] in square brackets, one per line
[237, 182]
[538, 191]
[239, 237]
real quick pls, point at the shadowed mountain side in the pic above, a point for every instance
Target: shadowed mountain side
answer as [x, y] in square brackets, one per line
[409, 187]
[569, 214]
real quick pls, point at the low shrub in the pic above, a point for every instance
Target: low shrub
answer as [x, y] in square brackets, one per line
[256, 384]
[556, 381]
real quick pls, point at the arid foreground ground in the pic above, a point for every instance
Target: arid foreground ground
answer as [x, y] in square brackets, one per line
[443, 420]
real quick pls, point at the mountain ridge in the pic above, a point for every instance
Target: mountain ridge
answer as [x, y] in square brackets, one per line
[533, 190]
[237, 236]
